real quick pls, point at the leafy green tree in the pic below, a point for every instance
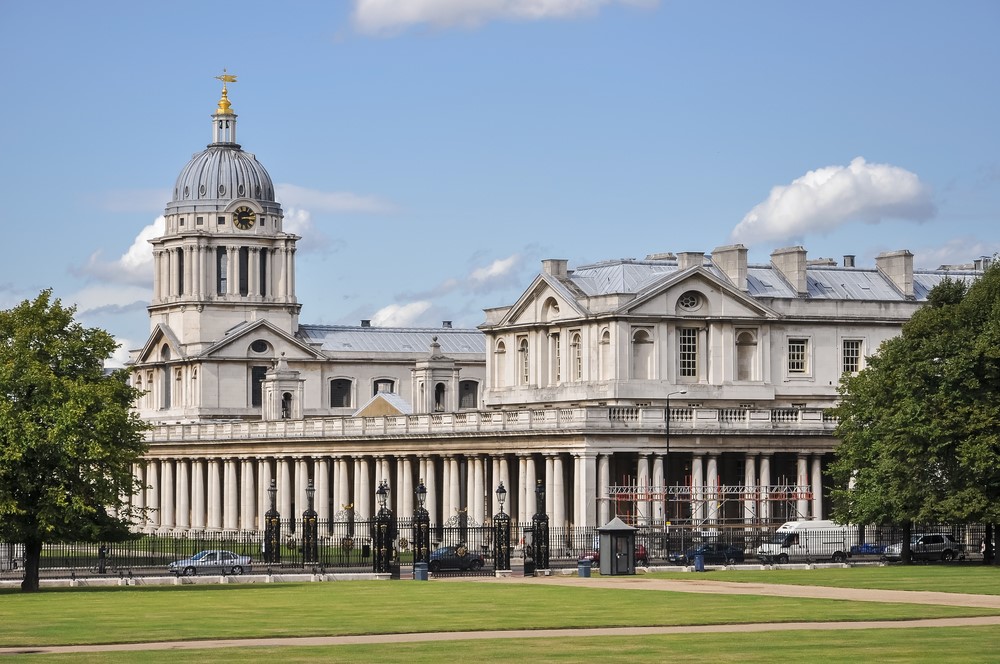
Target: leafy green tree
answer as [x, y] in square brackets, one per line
[920, 426]
[68, 436]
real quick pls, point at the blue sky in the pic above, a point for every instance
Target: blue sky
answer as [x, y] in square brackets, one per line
[432, 152]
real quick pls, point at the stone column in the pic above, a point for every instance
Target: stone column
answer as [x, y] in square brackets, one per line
[477, 505]
[603, 485]
[406, 488]
[153, 492]
[321, 468]
[802, 482]
[644, 506]
[285, 488]
[214, 495]
[183, 516]
[301, 484]
[586, 512]
[697, 489]
[167, 499]
[263, 499]
[817, 486]
[199, 515]
[248, 495]
[750, 490]
[430, 482]
[660, 499]
[765, 484]
[550, 490]
[363, 501]
[558, 493]
[522, 482]
[343, 484]
[712, 473]
[530, 480]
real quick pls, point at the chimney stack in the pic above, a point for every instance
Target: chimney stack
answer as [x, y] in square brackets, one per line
[555, 267]
[791, 263]
[897, 266]
[732, 260]
[686, 259]
[848, 260]
[365, 322]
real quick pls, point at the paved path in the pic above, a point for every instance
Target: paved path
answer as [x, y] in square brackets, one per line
[631, 582]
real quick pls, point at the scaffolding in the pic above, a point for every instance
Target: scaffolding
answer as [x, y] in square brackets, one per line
[709, 505]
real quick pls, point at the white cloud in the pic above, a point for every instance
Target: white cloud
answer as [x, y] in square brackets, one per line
[392, 16]
[400, 315]
[956, 251]
[134, 267]
[329, 201]
[826, 198]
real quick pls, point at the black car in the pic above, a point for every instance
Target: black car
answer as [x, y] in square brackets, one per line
[455, 558]
[715, 553]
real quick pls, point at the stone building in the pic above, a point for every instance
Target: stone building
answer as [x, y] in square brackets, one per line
[685, 387]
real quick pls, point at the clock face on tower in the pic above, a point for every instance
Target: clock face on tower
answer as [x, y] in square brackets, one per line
[244, 218]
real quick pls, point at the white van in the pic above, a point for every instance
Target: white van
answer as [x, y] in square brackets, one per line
[809, 541]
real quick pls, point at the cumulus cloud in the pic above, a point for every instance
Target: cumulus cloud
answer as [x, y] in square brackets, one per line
[823, 199]
[956, 251]
[393, 16]
[400, 315]
[134, 267]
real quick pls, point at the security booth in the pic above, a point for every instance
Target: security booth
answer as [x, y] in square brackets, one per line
[617, 548]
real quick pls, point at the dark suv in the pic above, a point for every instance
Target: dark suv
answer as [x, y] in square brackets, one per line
[929, 546]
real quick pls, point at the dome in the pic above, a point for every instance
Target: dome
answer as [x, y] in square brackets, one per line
[223, 172]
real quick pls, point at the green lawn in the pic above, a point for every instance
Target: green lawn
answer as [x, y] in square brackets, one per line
[82, 616]
[972, 579]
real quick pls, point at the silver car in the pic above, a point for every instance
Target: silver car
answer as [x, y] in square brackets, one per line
[206, 562]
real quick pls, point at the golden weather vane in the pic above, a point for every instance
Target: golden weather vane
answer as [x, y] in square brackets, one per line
[224, 105]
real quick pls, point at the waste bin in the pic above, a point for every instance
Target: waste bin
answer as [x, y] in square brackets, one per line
[529, 568]
[699, 563]
[419, 571]
[583, 568]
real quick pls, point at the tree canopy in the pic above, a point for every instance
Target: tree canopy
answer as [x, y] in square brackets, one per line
[920, 425]
[68, 436]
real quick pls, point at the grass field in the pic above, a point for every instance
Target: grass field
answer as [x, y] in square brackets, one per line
[280, 610]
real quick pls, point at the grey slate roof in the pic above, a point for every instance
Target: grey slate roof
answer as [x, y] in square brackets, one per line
[822, 281]
[409, 340]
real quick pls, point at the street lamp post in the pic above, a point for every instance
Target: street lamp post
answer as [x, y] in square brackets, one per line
[384, 531]
[421, 526]
[272, 528]
[666, 457]
[310, 529]
[501, 534]
[540, 529]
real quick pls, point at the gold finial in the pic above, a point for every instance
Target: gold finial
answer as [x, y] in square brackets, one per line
[225, 108]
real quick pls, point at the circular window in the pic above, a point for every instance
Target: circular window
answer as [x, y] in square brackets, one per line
[222, 189]
[185, 192]
[256, 191]
[259, 346]
[689, 301]
[240, 190]
[201, 190]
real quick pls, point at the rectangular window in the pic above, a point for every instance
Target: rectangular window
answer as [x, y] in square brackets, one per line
[687, 347]
[199, 220]
[852, 355]
[222, 220]
[798, 356]
[182, 221]
[257, 375]
[556, 358]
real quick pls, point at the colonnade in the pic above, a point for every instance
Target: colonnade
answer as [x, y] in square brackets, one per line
[193, 269]
[231, 492]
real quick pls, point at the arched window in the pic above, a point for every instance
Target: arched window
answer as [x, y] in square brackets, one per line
[576, 351]
[522, 357]
[606, 355]
[180, 271]
[264, 255]
[642, 355]
[439, 398]
[244, 271]
[340, 393]
[550, 310]
[286, 405]
[555, 357]
[468, 394]
[500, 365]
[746, 355]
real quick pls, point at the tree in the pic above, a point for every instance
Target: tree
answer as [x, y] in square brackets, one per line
[68, 436]
[920, 426]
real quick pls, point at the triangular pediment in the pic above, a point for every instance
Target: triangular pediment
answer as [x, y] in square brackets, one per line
[713, 297]
[385, 404]
[546, 300]
[152, 350]
[238, 343]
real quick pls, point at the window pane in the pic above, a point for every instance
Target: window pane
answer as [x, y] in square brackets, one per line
[797, 355]
[688, 351]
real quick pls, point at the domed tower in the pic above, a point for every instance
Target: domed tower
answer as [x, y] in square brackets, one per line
[223, 258]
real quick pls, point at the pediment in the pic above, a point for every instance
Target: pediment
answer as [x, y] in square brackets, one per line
[152, 351]
[696, 293]
[547, 300]
[239, 344]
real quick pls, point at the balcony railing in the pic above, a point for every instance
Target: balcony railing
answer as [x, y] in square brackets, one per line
[610, 419]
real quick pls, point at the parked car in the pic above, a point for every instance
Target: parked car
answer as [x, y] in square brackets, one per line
[928, 546]
[206, 562]
[715, 553]
[868, 549]
[641, 556]
[455, 557]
